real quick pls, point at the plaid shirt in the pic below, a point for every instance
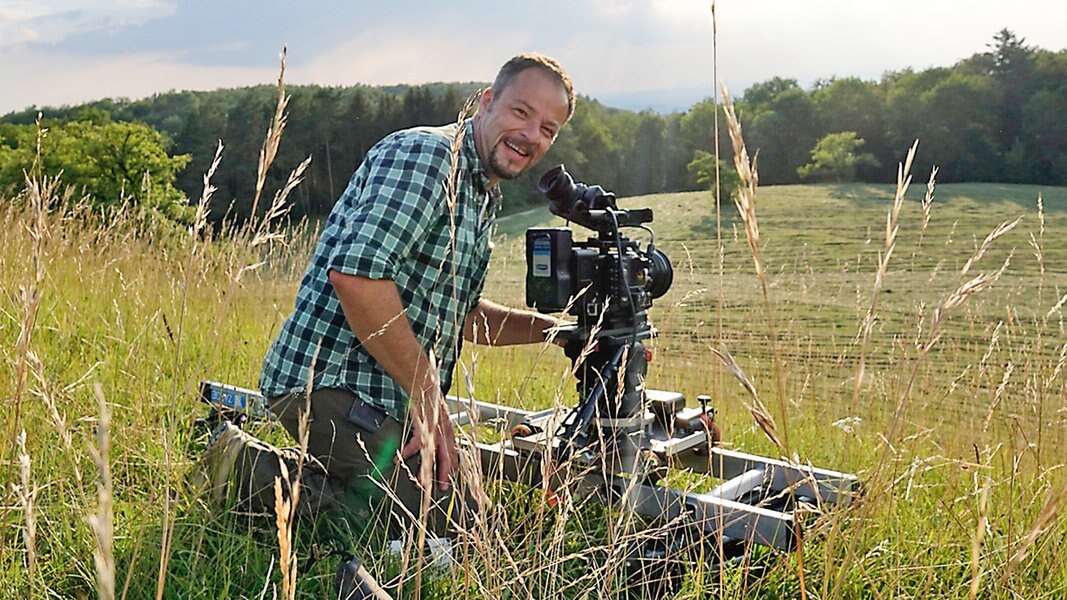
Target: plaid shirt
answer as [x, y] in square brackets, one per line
[393, 222]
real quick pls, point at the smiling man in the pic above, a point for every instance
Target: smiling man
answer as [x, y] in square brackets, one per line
[395, 285]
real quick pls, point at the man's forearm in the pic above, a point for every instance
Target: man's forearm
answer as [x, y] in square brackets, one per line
[497, 325]
[376, 315]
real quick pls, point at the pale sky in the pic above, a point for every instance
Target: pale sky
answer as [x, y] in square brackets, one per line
[627, 53]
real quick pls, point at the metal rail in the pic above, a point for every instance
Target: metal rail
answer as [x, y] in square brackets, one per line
[755, 502]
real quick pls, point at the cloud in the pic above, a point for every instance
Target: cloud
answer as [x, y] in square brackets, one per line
[74, 50]
[55, 79]
[388, 56]
[47, 22]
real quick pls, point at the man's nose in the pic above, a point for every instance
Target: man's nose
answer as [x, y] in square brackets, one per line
[530, 131]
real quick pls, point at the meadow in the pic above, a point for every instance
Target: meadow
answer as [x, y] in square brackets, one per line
[925, 356]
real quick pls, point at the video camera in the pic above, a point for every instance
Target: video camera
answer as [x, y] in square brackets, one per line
[608, 282]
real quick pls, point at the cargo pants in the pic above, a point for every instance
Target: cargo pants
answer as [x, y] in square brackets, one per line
[351, 468]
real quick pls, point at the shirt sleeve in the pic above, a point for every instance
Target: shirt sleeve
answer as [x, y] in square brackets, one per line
[393, 206]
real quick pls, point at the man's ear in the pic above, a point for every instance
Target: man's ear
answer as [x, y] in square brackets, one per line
[486, 99]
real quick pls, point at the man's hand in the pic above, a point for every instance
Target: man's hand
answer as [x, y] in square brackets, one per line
[376, 314]
[432, 434]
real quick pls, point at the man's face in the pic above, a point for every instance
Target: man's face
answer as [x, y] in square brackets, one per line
[518, 126]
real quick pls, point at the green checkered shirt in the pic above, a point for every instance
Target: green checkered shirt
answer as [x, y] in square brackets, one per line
[393, 222]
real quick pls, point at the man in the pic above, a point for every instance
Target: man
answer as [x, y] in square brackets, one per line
[395, 281]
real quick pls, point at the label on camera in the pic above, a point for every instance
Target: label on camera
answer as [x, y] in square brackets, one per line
[541, 257]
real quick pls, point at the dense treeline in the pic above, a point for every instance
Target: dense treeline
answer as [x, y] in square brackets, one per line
[996, 116]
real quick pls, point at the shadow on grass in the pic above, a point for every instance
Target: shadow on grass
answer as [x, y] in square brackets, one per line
[1024, 195]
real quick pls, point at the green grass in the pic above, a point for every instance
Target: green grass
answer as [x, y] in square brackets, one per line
[148, 315]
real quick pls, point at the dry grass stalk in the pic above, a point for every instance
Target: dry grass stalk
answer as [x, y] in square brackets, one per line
[279, 207]
[757, 409]
[927, 205]
[960, 297]
[1056, 307]
[195, 231]
[266, 581]
[998, 395]
[1002, 229]
[284, 508]
[1041, 524]
[457, 146]
[745, 200]
[199, 223]
[1037, 242]
[892, 227]
[1058, 368]
[425, 479]
[58, 421]
[979, 531]
[40, 191]
[274, 135]
[260, 233]
[27, 497]
[719, 245]
[102, 522]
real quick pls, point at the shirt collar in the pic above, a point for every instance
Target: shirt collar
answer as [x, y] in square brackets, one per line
[479, 174]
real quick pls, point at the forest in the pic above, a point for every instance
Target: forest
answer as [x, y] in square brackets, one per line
[997, 116]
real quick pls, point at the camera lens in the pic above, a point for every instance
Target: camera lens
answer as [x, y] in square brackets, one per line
[661, 272]
[557, 185]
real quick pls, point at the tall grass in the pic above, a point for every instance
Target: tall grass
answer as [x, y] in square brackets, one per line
[939, 382]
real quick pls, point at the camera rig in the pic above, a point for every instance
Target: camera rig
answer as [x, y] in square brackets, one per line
[621, 440]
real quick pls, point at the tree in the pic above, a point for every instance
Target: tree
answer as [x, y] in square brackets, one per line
[703, 168]
[110, 163]
[960, 127]
[696, 131]
[850, 104]
[836, 157]
[783, 130]
[904, 115]
[643, 164]
[1012, 66]
[765, 92]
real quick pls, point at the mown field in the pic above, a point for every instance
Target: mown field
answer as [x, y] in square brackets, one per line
[951, 408]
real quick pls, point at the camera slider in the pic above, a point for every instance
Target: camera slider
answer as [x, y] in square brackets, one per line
[759, 501]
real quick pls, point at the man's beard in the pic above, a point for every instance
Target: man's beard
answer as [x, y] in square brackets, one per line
[498, 169]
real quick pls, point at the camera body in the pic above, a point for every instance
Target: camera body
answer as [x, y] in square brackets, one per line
[592, 280]
[607, 281]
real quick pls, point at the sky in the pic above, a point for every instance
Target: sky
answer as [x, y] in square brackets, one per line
[627, 53]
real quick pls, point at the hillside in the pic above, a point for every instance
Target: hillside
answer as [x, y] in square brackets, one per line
[821, 245]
